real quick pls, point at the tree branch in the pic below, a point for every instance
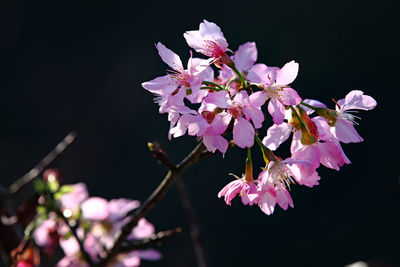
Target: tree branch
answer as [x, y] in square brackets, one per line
[155, 240]
[73, 229]
[158, 194]
[32, 174]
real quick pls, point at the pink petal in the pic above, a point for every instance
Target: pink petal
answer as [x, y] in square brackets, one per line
[220, 99]
[214, 142]
[131, 259]
[149, 254]
[324, 130]
[287, 73]
[169, 57]
[243, 133]
[219, 124]
[357, 100]
[95, 208]
[283, 198]
[181, 125]
[245, 56]
[331, 155]
[73, 199]
[261, 74]
[289, 96]
[118, 208]
[276, 135]
[255, 114]
[267, 203]
[144, 229]
[258, 99]
[163, 85]
[230, 191]
[41, 234]
[346, 133]
[197, 125]
[242, 98]
[277, 110]
[210, 31]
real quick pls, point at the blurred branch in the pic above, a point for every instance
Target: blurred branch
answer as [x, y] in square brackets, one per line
[74, 231]
[162, 158]
[155, 240]
[192, 222]
[46, 161]
[158, 194]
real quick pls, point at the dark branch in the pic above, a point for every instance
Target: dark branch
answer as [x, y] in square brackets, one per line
[74, 229]
[158, 194]
[155, 240]
[32, 174]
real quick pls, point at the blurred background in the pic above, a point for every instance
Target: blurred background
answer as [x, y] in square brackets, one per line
[79, 66]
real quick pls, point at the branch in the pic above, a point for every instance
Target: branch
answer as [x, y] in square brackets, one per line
[73, 229]
[192, 222]
[155, 240]
[158, 194]
[162, 158]
[32, 174]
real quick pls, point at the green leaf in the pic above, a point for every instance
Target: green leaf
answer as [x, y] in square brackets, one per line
[39, 186]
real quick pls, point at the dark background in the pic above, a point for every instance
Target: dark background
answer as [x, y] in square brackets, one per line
[78, 66]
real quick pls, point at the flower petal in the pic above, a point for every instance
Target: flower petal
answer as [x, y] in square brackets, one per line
[169, 57]
[277, 110]
[287, 73]
[243, 133]
[346, 133]
[245, 56]
[276, 135]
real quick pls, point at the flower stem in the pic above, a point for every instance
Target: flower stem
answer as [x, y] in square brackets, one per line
[213, 84]
[268, 155]
[242, 80]
[309, 106]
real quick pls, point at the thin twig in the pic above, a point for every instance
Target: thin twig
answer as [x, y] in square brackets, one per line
[162, 158]
[192, 222]
[32, 174]
[154, 198]
[155, 240]
[74, 229]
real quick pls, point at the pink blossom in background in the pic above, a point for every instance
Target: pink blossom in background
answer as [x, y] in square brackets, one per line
[73, 199]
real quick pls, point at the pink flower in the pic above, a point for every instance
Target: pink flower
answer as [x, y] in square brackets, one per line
[274, 181]
[244, 58]
[328, 153]
[46, 236]
[73, 199]
[242, 109]
[344, 129]
[208, 40]
[246, 189]
[276, 82]
[209, 125]
[173, 87]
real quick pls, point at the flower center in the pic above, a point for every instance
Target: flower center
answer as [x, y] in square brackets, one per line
[235, 111]
[213, 49]
[280, 176]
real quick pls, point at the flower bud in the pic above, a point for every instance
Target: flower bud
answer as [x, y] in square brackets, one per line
[308, 129]
[329, 114]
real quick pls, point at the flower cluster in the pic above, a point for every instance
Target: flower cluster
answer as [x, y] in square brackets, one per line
[71, 219]
[231, 107]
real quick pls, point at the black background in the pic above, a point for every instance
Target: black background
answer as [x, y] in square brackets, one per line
[78, 66]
